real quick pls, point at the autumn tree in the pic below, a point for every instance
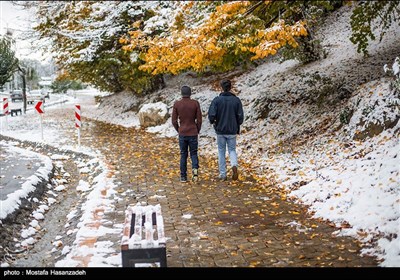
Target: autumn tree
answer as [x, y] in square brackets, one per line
[211, 35]
[84, 38]
[9, 63]
[312, 12]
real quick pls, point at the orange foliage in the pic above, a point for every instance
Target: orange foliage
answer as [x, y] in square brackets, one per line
[227, 31]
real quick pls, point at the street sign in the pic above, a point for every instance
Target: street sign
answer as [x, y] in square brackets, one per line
[39, 107]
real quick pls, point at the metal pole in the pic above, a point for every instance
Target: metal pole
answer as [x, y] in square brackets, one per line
[79, 137]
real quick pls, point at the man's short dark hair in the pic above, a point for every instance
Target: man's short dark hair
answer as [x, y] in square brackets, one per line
[226, 84]
[186, 91]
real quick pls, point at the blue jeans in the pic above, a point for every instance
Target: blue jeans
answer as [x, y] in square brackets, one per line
[223, 141]
[191, 143]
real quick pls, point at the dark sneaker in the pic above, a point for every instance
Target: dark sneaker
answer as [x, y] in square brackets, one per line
[195, 173]
[235, 173]
[183, 179]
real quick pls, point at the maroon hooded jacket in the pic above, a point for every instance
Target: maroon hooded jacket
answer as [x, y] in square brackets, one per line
[187, 117]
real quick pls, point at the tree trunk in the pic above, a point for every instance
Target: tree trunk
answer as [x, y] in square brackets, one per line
[23, 73]
[24, 91]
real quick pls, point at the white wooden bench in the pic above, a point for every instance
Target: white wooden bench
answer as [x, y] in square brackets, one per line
[143, 239]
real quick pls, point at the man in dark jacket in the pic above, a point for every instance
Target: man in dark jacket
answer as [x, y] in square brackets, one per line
[226, 114]
[187, 119]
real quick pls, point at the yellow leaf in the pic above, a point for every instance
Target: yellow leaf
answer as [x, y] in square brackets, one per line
[313, 235]
[254, 263]
[225, 212]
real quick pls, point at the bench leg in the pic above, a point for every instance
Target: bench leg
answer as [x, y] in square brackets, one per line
[149, 255]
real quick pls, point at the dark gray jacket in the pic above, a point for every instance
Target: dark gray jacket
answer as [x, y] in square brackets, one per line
[226, 113]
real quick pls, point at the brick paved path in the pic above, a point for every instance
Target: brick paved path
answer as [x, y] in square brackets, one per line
[245, 223]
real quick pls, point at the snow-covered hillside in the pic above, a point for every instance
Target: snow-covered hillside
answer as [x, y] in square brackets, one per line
[322, 141]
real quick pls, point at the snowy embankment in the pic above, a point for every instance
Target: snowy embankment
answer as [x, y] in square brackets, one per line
[353, 183]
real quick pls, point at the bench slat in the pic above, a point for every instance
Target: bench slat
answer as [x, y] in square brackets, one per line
[137, 236]
[148, 227]
[160, 225]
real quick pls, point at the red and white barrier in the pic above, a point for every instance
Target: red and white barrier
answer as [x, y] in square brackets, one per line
[5, 112]
[78, 116]
[78, 122]
[5, 106]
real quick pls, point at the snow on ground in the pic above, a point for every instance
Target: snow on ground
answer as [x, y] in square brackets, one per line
[13, 200]
[26, 237]
[95, 206]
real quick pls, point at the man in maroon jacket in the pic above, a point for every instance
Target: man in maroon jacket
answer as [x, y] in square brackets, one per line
[187, 119]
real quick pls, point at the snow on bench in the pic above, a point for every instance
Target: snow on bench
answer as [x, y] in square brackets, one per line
[143, 239]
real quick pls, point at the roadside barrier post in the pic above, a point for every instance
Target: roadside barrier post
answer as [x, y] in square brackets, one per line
[5, 110]
[78, 122]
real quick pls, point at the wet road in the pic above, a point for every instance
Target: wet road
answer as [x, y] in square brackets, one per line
[14, 170]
